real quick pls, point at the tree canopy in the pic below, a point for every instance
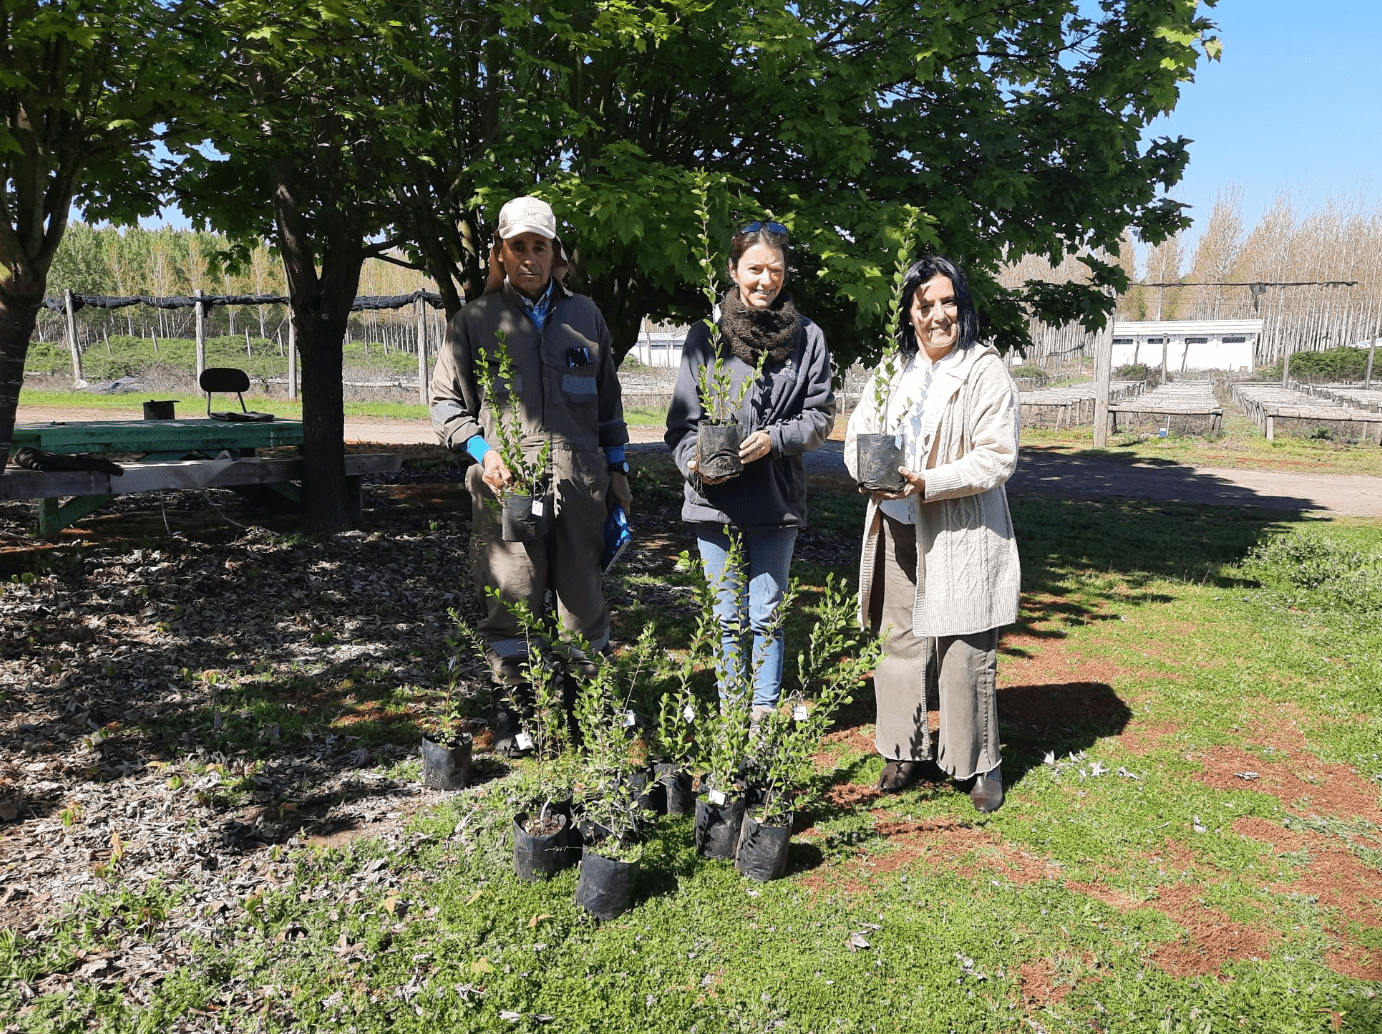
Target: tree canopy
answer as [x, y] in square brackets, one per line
[83, 86]
[1013, 128]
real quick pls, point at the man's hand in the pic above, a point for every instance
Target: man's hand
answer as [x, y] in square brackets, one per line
[913, 484]
[619, 490]
[496, 474]
[755, 447]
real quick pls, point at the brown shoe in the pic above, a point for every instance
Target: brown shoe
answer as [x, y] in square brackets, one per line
[898, 775]
[987, 792]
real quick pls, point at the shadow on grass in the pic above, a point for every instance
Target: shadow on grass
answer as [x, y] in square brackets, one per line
[1114, 477]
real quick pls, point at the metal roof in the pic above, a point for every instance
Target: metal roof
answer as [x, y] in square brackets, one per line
[1183, 328]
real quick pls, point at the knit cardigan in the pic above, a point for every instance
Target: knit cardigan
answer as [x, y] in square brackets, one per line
[968, 573]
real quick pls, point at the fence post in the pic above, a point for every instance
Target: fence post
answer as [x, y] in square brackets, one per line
[77, 377]
[292, 357]
[201, 334]
[422, 352]
[1103, 371]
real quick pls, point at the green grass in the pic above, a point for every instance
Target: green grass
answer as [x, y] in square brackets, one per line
[1082, 904]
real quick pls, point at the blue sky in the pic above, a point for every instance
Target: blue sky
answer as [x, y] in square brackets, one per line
[1295, 104]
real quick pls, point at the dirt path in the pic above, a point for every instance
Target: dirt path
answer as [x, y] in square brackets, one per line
[1039, 472]
[1052, 474]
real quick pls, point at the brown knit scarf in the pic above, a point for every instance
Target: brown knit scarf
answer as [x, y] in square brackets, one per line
[751, 332]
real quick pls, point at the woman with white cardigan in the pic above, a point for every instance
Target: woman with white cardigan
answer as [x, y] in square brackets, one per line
[939, 571]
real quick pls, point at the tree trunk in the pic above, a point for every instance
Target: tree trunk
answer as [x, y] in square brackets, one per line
[17, 318]
[321, 347]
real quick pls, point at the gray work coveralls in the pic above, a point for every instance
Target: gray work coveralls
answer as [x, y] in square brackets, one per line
[566, 388]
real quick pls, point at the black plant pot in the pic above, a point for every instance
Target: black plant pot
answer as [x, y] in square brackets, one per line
[519, 521]
[446, 764]
[717, 450]
[652, 795]
[572, 835]
[540, 856]
[605, 888]
[877, 459]
[676, 786]
[717, 826]
[762, 853]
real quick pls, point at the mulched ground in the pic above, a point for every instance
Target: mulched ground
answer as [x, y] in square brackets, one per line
[113, 644]
[116, 700]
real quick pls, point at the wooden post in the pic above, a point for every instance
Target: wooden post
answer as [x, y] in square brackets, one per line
[292, 357]
[1103, 372]
[77, 377]
[421, 352]
[201, 334]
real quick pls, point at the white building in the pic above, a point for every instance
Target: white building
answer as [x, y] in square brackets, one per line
[659, 348]
[1188, 344]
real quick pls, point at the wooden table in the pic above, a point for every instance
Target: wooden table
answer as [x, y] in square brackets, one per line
[173, 454]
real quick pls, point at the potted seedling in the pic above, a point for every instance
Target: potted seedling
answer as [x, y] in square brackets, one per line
[675, 739]
[879, 454]
[522, 504]
[612, 822]
[836, 659]
[718, 433]
[542, 829]
[674, 734]
[724, 739]
[446, 742]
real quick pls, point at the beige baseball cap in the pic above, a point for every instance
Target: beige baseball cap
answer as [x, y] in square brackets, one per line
[527, 215]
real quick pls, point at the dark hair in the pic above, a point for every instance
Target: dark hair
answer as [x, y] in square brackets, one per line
[746, 239]
[922, 272]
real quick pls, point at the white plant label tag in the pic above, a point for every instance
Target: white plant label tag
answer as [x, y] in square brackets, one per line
[538, 507]
[630, 719]
[717, 797]
[799, 712]
[523, 741]
[689, 713]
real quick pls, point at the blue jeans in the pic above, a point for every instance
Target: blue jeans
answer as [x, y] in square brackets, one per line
[767, 554]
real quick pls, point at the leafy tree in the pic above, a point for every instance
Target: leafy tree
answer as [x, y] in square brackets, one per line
[82, 86]
[303, 124]
[1015, 129]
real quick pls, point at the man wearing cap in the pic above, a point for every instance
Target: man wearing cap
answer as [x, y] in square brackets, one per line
[566, 391]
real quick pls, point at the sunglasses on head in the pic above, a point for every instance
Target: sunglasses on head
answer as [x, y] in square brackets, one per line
[757, 225]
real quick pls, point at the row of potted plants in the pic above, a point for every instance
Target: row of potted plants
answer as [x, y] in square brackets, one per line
[651, 732]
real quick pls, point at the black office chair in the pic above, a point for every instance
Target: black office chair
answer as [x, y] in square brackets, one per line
[225, 379]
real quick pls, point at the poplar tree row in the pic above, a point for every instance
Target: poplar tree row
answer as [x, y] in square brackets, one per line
[168, 262]
[1339, 241]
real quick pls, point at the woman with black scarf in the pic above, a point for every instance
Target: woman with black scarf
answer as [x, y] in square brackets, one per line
[788, 410]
